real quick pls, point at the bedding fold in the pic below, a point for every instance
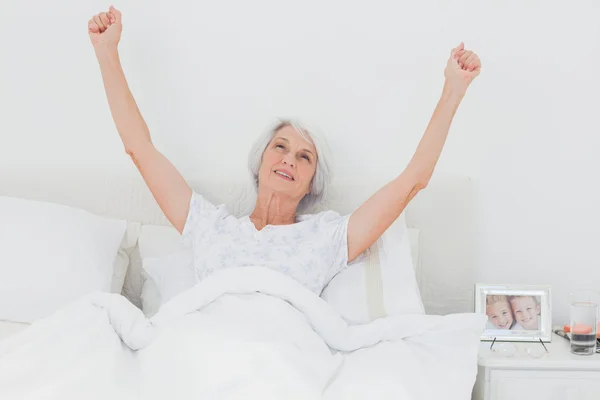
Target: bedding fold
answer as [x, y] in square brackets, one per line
[240, 333]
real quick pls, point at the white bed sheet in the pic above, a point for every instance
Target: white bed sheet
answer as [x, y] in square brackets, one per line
[241, 333]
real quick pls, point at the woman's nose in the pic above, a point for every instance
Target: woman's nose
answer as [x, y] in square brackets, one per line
[289, 160]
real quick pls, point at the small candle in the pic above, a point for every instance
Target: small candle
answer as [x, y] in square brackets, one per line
[582, 329]
[567, 329]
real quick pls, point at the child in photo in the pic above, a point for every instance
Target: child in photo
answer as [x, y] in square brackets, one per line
[526, 311]
[499, 312]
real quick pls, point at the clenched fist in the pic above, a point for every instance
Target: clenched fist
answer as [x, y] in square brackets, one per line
[463, 66]
[105, 28]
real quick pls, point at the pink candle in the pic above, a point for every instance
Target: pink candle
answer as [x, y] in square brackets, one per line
[567, 328]
[581, 329]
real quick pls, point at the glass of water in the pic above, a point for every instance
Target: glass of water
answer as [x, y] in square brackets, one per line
[584, 322]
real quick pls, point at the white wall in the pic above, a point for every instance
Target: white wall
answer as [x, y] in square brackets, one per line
[515, 196]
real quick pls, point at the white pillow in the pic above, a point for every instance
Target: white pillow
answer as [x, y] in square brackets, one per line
[150, 297]
[379, 283]
[164, 259]
[124, 256]
[167, 276]
[157, 241]
[50, 255]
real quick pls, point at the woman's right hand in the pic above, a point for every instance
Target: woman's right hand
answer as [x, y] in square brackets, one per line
[105, 28]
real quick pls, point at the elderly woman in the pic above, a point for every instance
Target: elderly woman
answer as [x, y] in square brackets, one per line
[290, 172]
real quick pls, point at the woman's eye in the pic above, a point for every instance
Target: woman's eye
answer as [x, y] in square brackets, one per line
[279, 146]
[306, 157]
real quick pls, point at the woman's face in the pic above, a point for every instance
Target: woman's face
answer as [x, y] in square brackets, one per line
[288, 164]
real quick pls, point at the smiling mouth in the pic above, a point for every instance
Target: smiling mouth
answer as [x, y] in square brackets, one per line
[284, 175]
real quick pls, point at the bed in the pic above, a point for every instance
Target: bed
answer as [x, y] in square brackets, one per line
[146, 336]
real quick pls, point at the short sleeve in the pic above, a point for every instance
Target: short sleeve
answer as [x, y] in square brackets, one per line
[334, 233]
[201, 213]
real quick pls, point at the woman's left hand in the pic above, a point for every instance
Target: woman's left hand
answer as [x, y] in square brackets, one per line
[463, 66]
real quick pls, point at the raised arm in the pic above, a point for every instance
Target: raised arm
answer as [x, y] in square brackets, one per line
[376, 214]
[166, 184]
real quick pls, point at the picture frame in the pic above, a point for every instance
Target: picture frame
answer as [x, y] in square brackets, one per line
[516, 313]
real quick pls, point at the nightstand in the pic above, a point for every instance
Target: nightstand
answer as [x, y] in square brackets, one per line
[557, 375]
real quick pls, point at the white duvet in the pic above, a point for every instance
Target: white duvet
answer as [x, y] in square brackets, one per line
[242, 333]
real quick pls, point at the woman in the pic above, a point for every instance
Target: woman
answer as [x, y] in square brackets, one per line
[291, 173]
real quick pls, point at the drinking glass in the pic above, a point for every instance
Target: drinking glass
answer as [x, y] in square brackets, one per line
[584, 322]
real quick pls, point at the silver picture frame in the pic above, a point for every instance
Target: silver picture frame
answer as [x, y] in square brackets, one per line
[518, 299]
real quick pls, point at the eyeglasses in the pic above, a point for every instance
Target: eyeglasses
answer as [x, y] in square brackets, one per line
[510, 349]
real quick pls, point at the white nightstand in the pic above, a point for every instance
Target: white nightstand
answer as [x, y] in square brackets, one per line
[558, 375]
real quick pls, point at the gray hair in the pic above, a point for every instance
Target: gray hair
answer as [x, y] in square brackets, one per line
[320, 182]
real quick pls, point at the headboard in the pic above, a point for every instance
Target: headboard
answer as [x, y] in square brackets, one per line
[127, 197]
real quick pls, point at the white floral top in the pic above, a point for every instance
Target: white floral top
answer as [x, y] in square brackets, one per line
[312, 251]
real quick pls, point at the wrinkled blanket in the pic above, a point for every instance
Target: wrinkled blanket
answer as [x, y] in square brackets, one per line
[242, 333]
